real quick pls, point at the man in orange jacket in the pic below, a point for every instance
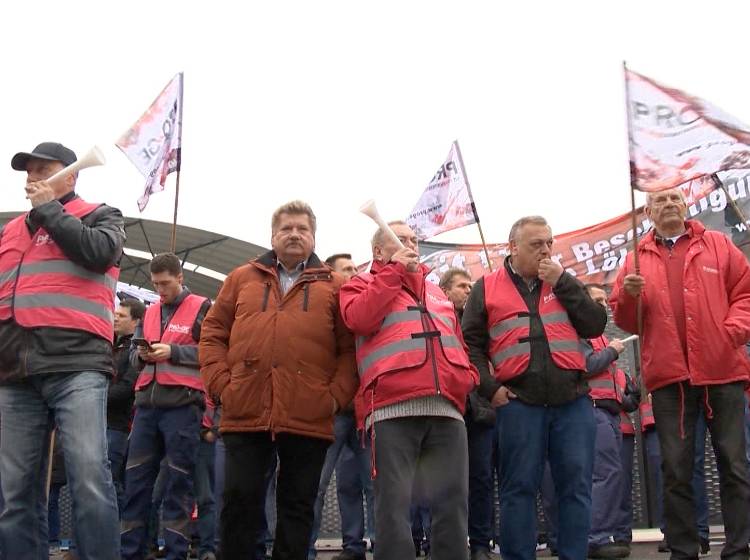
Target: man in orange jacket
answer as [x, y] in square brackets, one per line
[693, 291]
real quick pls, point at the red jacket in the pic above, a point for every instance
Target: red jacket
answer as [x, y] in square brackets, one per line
[609, 383]
[717, 312]
[370, 306]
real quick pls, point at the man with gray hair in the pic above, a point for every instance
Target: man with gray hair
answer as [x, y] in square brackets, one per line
[276, 354]
[526, 319]
[414, 379]
[693, 291]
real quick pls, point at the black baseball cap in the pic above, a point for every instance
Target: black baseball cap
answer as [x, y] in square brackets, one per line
[52, 151]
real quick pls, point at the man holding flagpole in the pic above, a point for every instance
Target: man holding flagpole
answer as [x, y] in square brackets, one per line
[693, 292]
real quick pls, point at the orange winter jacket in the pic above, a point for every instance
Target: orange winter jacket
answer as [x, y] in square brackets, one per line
[278, 362]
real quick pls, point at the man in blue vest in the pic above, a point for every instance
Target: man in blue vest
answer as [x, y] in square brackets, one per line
[526, 318]
[58, 272]
[169, 400]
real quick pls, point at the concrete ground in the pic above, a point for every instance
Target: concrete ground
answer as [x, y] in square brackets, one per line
[644, 547]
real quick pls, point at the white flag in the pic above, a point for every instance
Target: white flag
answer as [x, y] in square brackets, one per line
[676, 137]
[446, 203]
[153, 143]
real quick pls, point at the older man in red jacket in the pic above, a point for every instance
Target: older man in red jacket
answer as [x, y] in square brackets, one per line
[694, 293]
[414, 378]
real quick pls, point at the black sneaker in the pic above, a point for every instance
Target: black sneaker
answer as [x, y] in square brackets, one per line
[663, 546]
[350, 555]
[705, 547]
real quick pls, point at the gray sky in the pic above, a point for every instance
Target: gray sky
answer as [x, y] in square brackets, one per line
[339, 102]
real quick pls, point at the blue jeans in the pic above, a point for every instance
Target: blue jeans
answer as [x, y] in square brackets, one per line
[268, 525]
[352, 482]
[78, 403]
[527, 435]
[174, 432]
[606, 491]
[479, 437]
[203, 478]
[117, 450]
[624, 525]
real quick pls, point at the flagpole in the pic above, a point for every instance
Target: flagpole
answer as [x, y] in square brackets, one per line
[718, 184]
[634, 225]
[173, 246]
[473, 206]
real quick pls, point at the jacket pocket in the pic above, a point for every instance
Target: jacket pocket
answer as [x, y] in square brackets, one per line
[312, 400]
[243, 397]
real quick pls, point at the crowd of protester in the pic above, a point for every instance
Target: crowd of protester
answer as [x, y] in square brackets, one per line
[214, 428]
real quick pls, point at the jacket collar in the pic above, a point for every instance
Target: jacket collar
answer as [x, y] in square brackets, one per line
[269, 261]
[693, 228]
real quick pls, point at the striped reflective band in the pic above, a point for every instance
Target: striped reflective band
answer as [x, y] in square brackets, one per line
[166, 367]
[508, 325]
[446, 320]
[7, 275]
[400, 317]
[557, 317]
[515, 350]
[601, 384]
[74, 303]
[66, 267]
[566, 346]
[391, 350]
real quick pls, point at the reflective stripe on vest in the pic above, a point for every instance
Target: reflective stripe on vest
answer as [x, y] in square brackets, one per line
[604, 385]
[177, 331]
[41, 287]
[402, 339]
[509, 324]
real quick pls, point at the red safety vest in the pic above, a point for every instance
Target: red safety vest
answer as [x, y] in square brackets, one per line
[647, 416]
[41, 287]
[509, 323]
[604, 385]
[401, 341]
[179, 330]
[626, 424]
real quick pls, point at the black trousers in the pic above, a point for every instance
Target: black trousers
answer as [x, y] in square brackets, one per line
[676, 409]
[248, 458]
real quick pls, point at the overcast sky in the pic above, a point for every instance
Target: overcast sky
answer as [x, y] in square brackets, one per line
[339, 102]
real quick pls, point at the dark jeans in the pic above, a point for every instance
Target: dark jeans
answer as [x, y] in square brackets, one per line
[117, 451]
[248, 460]
[624, 526]
[268, 521]
[527, 435]
[676, 408]
[174, 432]
[351, 461]
[606, 489]
[53, 516]
[437, 446]
[479, 437]
[203, 479]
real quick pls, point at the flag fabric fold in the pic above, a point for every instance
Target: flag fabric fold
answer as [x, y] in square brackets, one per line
[676, 137]
[153, 144]
[446, 203]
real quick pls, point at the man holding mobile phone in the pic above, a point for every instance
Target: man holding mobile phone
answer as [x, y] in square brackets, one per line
[169, 401]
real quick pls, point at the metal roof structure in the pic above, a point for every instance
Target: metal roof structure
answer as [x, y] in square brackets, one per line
[206, 257]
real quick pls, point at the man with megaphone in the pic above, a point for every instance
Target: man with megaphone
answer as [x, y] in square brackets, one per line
[59, 265]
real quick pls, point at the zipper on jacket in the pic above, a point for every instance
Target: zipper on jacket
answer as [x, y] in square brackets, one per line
[266, 293]
[306, 297]
[27, 334]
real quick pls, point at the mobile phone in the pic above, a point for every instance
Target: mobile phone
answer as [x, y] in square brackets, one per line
[143, 343]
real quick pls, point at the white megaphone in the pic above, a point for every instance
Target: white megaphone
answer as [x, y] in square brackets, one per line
[91, 158]
[369, 209]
